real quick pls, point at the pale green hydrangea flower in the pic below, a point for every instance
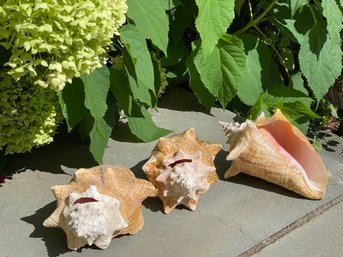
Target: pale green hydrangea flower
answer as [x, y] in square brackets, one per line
[29, 115]
[53, 41]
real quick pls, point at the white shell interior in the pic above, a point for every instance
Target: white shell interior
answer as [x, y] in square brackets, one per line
[94, 221]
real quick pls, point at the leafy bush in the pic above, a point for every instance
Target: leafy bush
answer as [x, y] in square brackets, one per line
[245, 55]
[54, 41]
[29, 115]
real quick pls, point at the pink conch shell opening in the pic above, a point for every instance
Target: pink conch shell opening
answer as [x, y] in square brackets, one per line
[275, 150]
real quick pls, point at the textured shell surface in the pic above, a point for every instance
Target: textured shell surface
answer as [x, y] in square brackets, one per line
[98, 204]
[182, 168]
[275, 150]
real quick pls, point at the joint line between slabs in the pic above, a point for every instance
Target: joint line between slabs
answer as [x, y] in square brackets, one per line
[279, 234]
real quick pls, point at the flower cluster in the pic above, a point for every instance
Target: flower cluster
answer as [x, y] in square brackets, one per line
[29, 115]
[53, 41]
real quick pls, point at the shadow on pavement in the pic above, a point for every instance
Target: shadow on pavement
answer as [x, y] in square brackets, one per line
[66, 150]
[54, 238]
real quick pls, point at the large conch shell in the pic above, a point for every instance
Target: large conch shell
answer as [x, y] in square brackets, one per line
[275, 150]
[98, 204]
[181, 167]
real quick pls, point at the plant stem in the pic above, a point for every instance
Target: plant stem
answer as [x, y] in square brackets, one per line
[253, 23]
[250, 11]
[312, 12]
[275, 50]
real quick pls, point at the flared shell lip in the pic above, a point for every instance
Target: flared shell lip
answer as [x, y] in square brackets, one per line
[263, 122]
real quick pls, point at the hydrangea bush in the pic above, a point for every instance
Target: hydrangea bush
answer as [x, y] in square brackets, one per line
[53, 41]
[29, 115]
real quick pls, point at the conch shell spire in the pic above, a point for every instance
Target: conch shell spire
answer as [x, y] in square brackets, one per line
[275, 150]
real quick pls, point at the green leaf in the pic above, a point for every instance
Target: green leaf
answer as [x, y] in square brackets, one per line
[71, 100]
[258, 107]
[303, 21]
[151, 20]
[334, 19]
[96, 87]
[251, 85]
[214, 17]
[197, 86]
[281, 94]
[321, 65]
[121, 90]
[139, 92]
[139, 53]
[5, 55]
[102, 130]
[287, 26]
[142, 126]
[298, 83]
[317, 37]
[180, 19]
[221, 72]
[238, 6]
[292, 103]
[296, 4]
[316, 144]
[86, 126]
[296, 110]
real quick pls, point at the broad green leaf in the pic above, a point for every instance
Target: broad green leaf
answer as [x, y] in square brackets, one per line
[317, 37]
[142, 126]
[96, 87]
[258, 107]
[181, 18]
[197, 86]
[251, 85]
[102, 130]
[287, 26]
[297, 109]
[151, 20]
[140, 93]
[72, 103]
[293, 104]
[281, 94]
[334, 19]
[320, 68]
[85, 126]
[121, 90]
[137, 47]
[221, 72]
[303, 21]
[298, 83]
[214, 17]
[296, 4]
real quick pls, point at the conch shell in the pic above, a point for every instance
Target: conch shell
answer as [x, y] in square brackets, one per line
[181, 167]
[275, 150]
[98, 204]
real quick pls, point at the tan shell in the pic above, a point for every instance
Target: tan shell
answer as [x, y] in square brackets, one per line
[181, 167]
[95, 186]
[275, 150]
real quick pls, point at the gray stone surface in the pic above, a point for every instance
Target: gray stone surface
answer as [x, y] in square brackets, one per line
[233, 216]
[321, 236]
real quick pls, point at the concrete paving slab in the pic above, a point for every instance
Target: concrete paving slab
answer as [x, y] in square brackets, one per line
[321, 236]
[233, 216]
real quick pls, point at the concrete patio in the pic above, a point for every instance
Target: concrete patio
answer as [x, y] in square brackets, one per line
[239, 216]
